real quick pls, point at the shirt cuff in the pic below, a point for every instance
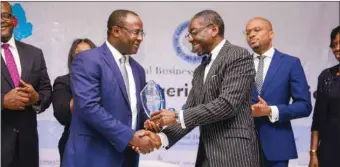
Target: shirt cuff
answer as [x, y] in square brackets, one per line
[164, 139]
[275, 114]
[181, 119]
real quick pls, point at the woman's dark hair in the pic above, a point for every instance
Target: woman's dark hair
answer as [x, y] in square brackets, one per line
[75, 43]
[334, 32]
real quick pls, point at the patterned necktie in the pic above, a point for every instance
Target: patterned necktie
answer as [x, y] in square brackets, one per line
[206, 60]
[123, 70]
[11, 66]
[259, 74]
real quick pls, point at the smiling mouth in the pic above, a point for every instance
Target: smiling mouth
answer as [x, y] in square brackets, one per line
[3, 27]
[195, 46]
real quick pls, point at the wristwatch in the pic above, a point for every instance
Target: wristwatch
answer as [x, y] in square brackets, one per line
[313, 151]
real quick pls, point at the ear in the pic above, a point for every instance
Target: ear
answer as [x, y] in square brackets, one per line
[15, 21]
[271, 35]
[115, 31]
[215, 30]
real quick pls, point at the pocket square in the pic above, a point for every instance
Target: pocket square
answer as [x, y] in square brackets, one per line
[213, 76]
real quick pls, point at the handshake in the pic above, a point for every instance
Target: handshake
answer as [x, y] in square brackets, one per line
[145, 141]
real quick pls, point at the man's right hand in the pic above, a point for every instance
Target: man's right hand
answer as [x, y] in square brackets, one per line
[16, 100]
[152, 126]
[145, 141]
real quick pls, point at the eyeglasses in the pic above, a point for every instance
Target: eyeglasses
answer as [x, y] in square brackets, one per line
[196, 31]
[6, 16]
[133, 32]
[256, 30]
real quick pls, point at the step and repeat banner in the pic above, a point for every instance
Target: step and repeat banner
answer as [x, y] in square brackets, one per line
[301, 29]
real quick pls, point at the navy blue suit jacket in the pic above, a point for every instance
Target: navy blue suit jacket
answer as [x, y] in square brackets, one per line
[285, 80]
[101, 124]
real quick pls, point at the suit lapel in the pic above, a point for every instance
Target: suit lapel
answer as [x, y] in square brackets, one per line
[215, 64]
[5, 73]
[108, 57]
[199, 86]
[26, 62]
[275, 64]
[213, 68]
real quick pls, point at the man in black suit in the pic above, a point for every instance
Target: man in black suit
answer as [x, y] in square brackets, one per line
[25, 92]
[219, 101]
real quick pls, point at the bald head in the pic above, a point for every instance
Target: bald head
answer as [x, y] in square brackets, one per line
[6, 6]
[260, 20]
[259, 33]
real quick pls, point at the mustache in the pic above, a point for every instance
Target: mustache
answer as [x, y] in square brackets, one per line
[5, 25]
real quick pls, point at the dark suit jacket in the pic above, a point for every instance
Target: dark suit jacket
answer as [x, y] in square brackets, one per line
[101, 122]
[62, 94]
[285, 79]
[221, 109]
[19, 128]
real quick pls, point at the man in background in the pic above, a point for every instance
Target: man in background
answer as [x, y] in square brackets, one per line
[279, 78]
[25, 92]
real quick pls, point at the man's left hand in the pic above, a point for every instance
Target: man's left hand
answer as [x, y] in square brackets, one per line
[25, 87]
[164, 117]
[261, 108]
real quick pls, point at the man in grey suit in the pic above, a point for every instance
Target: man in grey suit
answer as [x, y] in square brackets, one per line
[219, 101]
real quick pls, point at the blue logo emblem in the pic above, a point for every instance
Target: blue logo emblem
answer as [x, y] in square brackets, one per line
[23, 28]
[182, 46]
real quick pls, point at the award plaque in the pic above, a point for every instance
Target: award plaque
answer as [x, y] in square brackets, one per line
[152, 98]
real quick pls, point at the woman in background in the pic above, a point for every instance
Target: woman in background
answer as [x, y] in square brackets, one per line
[325, 138]
[62, 95]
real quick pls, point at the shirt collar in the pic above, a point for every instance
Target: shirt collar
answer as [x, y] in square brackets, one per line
[116, 54]
[269, 53]
[217, 50]
[11, 43]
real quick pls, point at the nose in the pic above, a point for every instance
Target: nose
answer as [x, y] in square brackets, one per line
[140, 37]
[190, 39]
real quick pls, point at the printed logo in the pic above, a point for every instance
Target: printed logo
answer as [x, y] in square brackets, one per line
[182, 46]
[23, 28]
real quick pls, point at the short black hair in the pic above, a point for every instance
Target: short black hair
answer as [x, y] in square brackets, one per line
[117, 18]
[73, 49]
[212, 17]
[334, 32]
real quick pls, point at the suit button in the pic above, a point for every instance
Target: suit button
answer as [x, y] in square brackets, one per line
[130, 116]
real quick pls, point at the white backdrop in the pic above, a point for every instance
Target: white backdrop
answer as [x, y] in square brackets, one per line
[301, 29]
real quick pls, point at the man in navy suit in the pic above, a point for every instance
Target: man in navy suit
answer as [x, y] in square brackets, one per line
[279, 78]
[107, 114]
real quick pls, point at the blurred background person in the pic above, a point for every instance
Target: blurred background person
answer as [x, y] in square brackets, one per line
[62, 95]
[325, 137]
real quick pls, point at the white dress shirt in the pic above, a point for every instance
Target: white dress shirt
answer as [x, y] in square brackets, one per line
[214, 53]
[266, 63]
[15, 54]
[132, 87]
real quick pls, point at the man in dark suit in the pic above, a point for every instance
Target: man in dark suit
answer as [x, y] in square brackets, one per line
[25, 92]
[107, 111]
[279, 78]
[219, 101]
